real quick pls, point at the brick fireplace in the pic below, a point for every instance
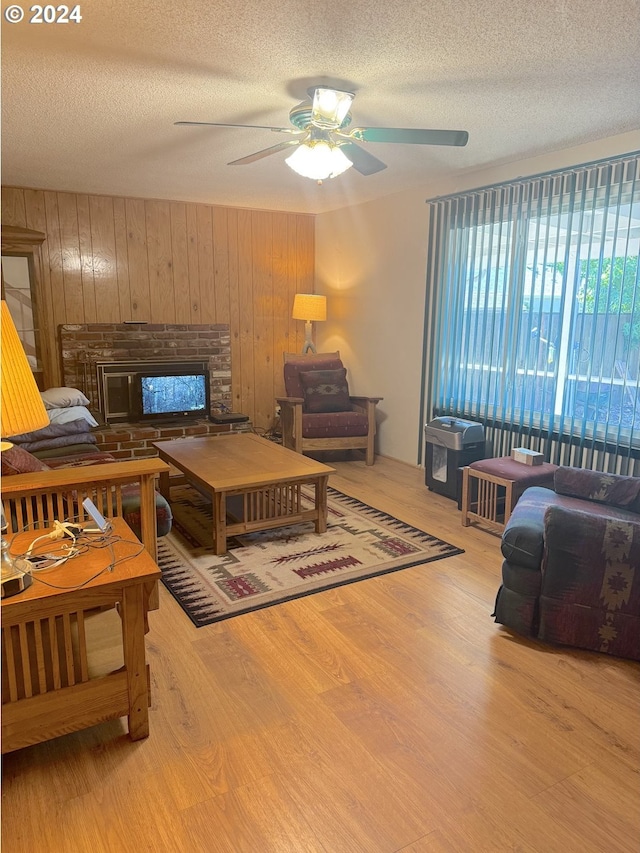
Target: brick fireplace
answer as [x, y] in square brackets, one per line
[86, 347]
[89, 349]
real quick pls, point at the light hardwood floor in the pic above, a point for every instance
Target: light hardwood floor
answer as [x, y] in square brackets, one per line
[388, 715]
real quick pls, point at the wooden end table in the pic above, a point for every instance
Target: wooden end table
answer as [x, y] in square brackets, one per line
[47, 689]
[491, 488]
[266, 477]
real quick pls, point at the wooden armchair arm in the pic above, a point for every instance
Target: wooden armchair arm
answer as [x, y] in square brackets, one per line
[361, 401]
[290, 401]
[366, 405]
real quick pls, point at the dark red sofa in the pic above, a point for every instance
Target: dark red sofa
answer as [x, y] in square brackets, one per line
[571, 570]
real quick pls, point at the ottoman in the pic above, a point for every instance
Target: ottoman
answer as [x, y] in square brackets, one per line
[491, 488]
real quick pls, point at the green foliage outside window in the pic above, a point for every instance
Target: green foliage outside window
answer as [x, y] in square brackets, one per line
[614, 288]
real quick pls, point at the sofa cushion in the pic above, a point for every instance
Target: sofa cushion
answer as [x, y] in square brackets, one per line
[325, 390]
[79, 449]
[334, 425]
[521, 476]
[611, 489]
[80, 460]
[16, 460]
[131, 511]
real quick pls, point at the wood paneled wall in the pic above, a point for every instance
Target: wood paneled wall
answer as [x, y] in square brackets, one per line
[109, 259]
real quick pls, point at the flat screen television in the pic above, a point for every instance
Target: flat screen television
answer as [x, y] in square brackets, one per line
[168, 396]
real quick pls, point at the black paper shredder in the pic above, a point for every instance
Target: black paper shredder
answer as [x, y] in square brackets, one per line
[451, 443]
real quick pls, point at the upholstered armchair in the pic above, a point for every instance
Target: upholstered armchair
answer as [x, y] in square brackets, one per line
[318, 413]
[571, 570]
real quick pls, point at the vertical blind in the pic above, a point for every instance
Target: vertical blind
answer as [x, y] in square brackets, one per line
[534, 310]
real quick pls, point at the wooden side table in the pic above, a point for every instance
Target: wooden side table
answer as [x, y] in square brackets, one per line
[491, 488]
[47, 688]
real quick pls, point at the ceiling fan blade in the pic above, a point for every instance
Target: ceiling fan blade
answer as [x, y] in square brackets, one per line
[409, 135]
[253, 126]
[266, 152]
[363, 162]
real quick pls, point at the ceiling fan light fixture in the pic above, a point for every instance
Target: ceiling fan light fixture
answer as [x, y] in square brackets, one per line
[322, 143]
[330, 107]
[318, 160]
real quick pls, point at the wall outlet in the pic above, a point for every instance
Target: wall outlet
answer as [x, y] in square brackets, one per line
[278, 410]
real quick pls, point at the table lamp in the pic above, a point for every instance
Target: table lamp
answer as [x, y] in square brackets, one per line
[309, 307]
[22, 411]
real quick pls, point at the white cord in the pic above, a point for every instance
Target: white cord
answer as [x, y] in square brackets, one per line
[60, 530]
[75, 532]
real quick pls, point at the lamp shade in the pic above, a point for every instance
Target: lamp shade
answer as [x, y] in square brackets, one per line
[319, 160]
[309, 306]
[22, 406]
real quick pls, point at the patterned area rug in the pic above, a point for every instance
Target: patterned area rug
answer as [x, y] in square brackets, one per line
[261, 569]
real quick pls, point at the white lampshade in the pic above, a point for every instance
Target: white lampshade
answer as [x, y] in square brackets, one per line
[309, 306]
[22, 406]
[319, 160]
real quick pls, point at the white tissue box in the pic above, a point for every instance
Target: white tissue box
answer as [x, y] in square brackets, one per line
[526, 456]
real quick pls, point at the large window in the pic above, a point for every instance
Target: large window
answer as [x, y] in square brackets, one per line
[536, 304]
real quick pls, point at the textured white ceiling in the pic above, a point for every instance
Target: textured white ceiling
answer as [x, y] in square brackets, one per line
[90, 107]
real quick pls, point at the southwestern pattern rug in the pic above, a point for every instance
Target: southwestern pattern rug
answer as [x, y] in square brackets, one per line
[272, 566]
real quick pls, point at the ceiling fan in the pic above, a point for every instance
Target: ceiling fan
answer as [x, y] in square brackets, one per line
[324, 142]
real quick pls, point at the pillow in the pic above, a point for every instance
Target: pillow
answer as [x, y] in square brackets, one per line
[325, 390]
[294, 366]
[16, 460]
[611, 489]
[72, 413]
[60, 398]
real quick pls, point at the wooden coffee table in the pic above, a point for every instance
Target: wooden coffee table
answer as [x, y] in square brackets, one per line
[266, 478]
